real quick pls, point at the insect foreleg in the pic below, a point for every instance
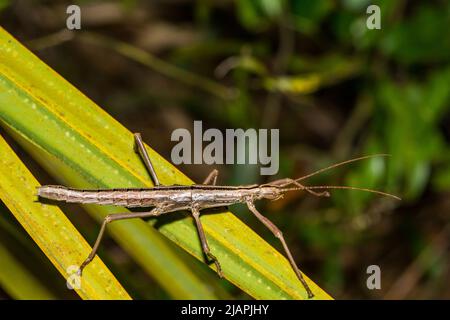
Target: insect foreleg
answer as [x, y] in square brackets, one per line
[203, 241]
[140, 148]
[114, 217]
[279, 235]
[212, 177]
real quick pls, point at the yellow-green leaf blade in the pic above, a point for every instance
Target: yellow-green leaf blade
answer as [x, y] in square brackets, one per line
[51, 229]
[89, 141]
[17, 281]
[64, 147]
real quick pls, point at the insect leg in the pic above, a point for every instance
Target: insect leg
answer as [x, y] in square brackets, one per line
[140, 148]
[204, 243]
[212, 177]
[114, 217]
[279, 235]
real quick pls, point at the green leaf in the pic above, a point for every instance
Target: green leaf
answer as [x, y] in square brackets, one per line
[144, 244]
[72, 134]
[4, 4]
[307, 15]
[17, 281]
[257, 15]
[52, 232]
[426, 102]
[414, 41]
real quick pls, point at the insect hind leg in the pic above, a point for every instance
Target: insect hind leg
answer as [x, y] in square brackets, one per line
[277, 233]
[114, 217]
[204, 242]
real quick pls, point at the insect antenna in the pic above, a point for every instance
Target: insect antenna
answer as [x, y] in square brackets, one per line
[341, 164]
[342, 187]
[311, 188]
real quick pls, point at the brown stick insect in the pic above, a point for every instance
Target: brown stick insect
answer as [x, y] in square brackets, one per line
[165, 199]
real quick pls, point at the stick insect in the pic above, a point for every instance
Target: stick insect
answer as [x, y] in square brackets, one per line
[194, 198]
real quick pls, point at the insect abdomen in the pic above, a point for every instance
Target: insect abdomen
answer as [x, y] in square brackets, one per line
[126, 197]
